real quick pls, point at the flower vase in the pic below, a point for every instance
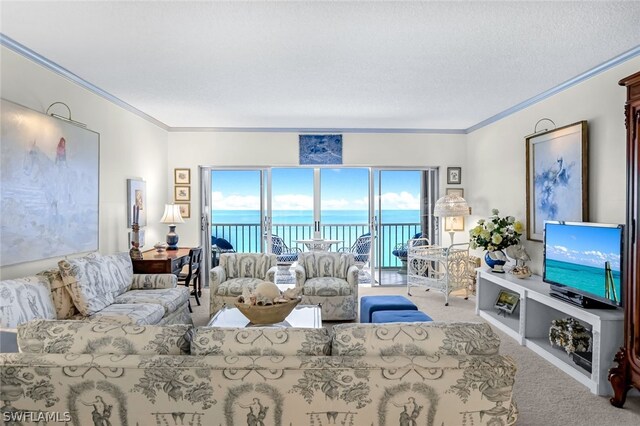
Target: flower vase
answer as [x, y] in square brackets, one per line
[496, 261]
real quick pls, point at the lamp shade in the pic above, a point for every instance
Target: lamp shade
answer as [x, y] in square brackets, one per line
[451, 206]
[171, 214]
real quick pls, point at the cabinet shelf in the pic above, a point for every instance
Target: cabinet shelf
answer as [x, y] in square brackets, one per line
[529, 325]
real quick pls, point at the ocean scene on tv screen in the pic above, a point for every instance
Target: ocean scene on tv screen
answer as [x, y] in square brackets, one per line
[577, 256]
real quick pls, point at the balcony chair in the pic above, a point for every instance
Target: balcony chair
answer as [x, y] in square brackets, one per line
[219, 246]
[283, 253]
[329, 279]
[236, 272]
[192, 272]
[361, 250]
[401, 252]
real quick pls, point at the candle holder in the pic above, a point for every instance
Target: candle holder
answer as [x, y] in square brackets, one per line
[135, 252]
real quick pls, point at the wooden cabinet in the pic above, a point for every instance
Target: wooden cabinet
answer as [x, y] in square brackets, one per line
[627, 374]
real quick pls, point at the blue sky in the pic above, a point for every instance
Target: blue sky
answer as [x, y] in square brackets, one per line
[341, 189]
[584, 245]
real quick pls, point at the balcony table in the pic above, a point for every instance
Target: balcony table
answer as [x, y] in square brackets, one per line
[318, 244]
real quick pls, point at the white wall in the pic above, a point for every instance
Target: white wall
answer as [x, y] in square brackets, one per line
[496, 153]
[130, 147]
[192, 149]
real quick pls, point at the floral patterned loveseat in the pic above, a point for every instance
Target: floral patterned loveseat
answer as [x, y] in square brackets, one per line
[364, 374]
[329, 279]
[94, 288]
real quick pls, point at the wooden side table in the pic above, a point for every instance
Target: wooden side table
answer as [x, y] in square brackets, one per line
[167, 262]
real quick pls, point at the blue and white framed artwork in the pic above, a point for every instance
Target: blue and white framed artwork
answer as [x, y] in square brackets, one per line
[557, 177]
[320, 149]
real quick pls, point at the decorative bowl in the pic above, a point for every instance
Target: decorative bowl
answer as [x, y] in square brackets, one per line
[270, 314]
[160, 247]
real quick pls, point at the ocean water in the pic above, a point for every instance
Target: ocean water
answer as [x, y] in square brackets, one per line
[241, 228]
[588, 278]
[286, 217]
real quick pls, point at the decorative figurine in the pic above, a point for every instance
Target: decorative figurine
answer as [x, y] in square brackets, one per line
[518, 252]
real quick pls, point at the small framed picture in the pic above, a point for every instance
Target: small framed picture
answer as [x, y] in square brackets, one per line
[454, 223]
[182, 193]
[182, 176]
[185, 210]
[454, 175]
[507, 301]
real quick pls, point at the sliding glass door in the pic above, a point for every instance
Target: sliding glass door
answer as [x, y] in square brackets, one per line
[403, 209]
[245, 207]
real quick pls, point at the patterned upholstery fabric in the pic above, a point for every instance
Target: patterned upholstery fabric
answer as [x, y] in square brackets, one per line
[95, 280]
[179, 316]
[24, 299]
[432, 338]
[326, 264]
[327, 286]
[329, 279]
[234, 286]
[139, 313]
[62, 300]
[261, 341]
[153, 281]
[241, 265]
[59, 337]
[405, 389]
[169, 298]
[236, 270]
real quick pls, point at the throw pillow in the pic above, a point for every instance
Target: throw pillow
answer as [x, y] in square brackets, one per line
[62, 301]
[24, 299]
[94, 280]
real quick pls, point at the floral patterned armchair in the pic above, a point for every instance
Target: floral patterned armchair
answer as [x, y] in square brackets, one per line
[330, 279]
[236, 272]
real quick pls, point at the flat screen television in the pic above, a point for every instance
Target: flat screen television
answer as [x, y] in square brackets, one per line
[582, 262]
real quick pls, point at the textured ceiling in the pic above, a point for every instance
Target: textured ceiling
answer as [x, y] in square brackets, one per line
[371, 65]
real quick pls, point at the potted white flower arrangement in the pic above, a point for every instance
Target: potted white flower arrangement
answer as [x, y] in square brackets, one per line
[494, 235]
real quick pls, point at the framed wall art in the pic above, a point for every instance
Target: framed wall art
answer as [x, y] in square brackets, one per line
[320, 149]
[557, 177]
[136, 197]
[185, 210]
[182, 193]
[49, 181]
[182, 176]
[454, 175]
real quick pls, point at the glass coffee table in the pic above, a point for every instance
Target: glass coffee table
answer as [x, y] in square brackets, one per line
[302, 316]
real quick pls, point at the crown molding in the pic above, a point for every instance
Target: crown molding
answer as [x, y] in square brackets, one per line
[312, 130]
[13, 45]
[559, 88]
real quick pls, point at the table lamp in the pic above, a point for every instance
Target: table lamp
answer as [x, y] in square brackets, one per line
[172, 216]
[453, 206]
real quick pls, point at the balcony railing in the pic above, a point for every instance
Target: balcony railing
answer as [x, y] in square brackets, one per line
[248, 238]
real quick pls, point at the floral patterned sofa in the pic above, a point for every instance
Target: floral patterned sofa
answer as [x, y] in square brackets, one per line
[235, 272]
[94, 288]
[330, 279]
[364, 374]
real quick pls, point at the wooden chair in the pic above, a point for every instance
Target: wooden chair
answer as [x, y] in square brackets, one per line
[192, 272]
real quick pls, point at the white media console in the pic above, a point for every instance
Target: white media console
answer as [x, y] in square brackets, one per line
[529, 325]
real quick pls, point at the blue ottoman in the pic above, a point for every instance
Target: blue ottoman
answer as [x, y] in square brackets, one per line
[399, 316]
[371, 304]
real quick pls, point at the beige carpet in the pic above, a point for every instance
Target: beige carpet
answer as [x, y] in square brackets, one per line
[545, 395]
